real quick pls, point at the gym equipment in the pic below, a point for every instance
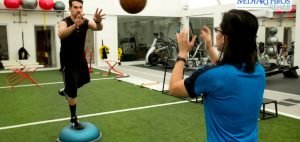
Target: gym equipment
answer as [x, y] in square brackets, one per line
[261, 48]
[120, 53]
[21, 71]
[196, 56]
[162, 51]
[59, 6]
[29, 4]
[290, 56]
[133, 6]
[12, 3]
[265, 114]
[129, 49]
[46, 4]
[23, 54]
[271, 50]
[104, 51]
[274, 51]
[112, 67]
[90, 133]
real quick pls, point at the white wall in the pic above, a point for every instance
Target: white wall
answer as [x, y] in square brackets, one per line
[280, 26]
[14, 30]
[153, 7]
[261, 33]
[167, 8]
[112, 9]
[109, 35]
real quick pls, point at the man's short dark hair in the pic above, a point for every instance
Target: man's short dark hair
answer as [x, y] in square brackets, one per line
[70, 2]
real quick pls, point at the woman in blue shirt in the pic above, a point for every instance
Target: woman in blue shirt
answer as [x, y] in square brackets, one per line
[233, 86]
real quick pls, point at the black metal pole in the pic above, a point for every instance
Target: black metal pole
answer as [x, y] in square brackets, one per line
[22, 38]
[162, 91]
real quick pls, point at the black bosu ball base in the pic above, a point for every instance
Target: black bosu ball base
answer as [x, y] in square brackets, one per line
[90, 133]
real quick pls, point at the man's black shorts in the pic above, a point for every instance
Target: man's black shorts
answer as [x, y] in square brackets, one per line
[75, 77]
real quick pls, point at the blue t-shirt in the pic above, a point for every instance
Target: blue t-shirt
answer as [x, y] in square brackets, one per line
[232, 101]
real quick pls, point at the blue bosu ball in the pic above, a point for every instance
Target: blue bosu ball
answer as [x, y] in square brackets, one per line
[90, 133]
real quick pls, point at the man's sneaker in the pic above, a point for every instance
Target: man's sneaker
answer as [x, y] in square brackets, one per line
[75, 124]
[61, 92]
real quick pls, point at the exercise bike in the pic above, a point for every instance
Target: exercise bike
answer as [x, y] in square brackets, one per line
[162, 51]
[196, 56]
[290, 55]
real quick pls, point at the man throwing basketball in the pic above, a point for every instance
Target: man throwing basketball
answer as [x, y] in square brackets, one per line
[72, 32]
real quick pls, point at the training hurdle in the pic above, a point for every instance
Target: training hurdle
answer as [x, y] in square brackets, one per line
[112, 64]
[21, 70]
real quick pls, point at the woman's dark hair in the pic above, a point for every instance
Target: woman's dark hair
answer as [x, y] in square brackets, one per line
[239, 28]
[70, 2]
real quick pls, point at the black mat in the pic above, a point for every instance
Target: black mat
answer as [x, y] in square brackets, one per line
[285, 104]
[282, 84]
[275, 82]
[292, 101]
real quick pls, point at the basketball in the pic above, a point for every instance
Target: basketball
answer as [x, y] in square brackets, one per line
[133, 6]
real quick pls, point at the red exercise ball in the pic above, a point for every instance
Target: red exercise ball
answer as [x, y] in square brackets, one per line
[46, 4]
[133, 6]
[12, 3]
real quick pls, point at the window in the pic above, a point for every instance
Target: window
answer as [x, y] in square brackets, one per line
[136, 34]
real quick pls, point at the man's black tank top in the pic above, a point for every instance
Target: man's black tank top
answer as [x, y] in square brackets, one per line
[72, 47]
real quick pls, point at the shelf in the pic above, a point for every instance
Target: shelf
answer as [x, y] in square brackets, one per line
[32, 10]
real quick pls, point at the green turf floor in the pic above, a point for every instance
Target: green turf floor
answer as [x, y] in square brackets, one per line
[173, 123]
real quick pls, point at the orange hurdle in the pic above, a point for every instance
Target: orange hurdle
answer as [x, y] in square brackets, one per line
[112, 67]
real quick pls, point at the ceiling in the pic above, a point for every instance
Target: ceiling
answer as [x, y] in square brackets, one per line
[206, 3]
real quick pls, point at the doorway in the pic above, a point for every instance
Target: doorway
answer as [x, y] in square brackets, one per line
[3, 44]
[45, 45]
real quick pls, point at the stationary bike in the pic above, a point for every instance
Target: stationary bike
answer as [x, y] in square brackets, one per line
[196, 56]
[162, 51]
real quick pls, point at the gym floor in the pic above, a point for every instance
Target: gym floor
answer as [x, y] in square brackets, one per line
[285, 91]
[121, 110]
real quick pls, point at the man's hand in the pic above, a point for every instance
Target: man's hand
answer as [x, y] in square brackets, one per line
[98, 16]
[79, 19]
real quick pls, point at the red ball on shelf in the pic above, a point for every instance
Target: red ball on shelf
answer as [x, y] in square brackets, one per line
[46, 4]
[12, 3]
[133, 6]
